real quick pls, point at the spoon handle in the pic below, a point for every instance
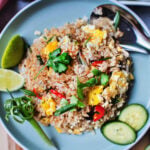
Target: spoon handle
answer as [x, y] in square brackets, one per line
[135, 48]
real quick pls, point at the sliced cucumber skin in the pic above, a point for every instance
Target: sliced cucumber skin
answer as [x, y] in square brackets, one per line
[147, 147]
[110, 122]
[130, 105]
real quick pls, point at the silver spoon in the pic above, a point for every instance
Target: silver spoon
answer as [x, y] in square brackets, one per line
[137, 35]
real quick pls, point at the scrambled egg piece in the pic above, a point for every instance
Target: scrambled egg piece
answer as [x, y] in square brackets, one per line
[76, 131]
[94, 97]
[50, 47]
[58, 129]
[96, 35]
[117, 85]
[49, 106]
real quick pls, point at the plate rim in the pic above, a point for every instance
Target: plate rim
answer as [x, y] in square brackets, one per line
[3, 32]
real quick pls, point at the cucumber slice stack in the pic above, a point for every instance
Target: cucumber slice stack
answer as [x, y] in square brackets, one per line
[132, 118]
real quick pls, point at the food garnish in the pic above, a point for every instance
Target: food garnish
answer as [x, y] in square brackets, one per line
[22, 109]
[74, 102]
[116, 20]
[100, 61]
[57, 61]
[13, 53]
[10, 80]
[57, 93]
[99, 113]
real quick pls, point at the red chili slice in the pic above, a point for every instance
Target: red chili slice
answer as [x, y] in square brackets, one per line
[99, 113]
[34, 90]
[96, 63]
[57, 93]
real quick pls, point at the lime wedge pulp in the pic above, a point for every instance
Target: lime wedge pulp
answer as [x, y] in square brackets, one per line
[10, 80]
[13, 53]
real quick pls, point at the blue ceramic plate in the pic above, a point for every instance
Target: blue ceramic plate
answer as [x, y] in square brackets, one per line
[46, 14]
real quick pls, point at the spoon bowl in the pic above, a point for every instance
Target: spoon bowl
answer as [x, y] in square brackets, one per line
[136, 35]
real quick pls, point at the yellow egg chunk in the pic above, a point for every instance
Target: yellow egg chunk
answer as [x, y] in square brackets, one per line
[49, 106]
[96, 35]
[58, 130]
[50, 47]
[93, 97]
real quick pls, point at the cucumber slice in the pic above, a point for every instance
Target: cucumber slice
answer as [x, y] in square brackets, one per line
[134, 115]
[147, 147]
[119, 132]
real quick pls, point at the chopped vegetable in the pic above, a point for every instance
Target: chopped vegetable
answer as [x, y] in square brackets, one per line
[99, 113]
[81, 59]
[116, 20]
[100, 61]
[134, 115]
[104, 79]
[57, 93]
[64, 102]
[91, 82]
[96, 72]
[64, 109]
[28, 92]
[70, 107]
[37, 95]
[57, 61]
[22, 109]
[118, 132]
[39, 58]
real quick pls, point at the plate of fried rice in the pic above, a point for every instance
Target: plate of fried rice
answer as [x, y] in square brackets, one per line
[76, 68]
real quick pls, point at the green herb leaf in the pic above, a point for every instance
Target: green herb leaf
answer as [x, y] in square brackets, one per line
[116, 20]
[39, 58]
[96, 72]
[62, 67]
[55, 53]
[28, 92]
[104, 79]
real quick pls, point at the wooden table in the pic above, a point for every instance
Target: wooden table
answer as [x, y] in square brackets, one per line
[12, 7]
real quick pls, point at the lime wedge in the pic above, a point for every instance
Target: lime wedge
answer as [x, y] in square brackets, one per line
[13, 52]
[10, 80]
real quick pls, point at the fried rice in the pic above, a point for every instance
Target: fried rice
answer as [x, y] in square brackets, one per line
[85, 43]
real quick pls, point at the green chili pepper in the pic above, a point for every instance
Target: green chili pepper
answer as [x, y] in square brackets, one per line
[116, 20]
